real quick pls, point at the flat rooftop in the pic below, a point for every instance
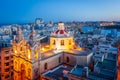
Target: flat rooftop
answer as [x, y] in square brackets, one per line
[112, 56]
[107, 68]
[58, 72]
[107, 64]
[78, 52]
[50, 53]
[77, 70]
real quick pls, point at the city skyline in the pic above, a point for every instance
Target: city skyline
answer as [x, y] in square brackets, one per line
[59, 10]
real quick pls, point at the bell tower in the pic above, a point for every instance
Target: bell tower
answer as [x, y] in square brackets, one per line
[26, 57]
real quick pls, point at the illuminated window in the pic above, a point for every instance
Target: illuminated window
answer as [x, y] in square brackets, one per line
[28, 54]
[14, 49]
[36, 54]
[45, 66]
[54, 42]
[62, 42]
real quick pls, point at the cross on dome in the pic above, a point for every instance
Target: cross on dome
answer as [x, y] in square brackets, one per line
[61, 29]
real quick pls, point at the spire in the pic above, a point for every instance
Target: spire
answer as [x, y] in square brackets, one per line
[32, 31]
[19, 35]
[32, 37]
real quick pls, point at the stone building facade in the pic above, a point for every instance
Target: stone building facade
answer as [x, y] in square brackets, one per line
[30, 60]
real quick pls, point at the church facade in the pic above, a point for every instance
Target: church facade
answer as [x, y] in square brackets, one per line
[31, 60]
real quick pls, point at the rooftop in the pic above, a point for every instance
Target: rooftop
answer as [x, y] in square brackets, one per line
[79, 52]
[107, 64]
[77, 70]
[111, 56]
[58, 72]
[99, 55]
[113, 49]
[46, 52]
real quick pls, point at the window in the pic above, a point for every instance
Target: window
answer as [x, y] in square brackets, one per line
[7, 70]
[36, 54]
[23, 72]
[59, 59]
[62, 42]
[7, 58]
[54, 42]
[28, 54]
[6, 52]
[6, 64]
[11, 67]
[29, 72]
[7, 76]
[67, 60]
[11, 56]
[105, 49]
[69, 42]
[21, 49]
[45, 66]
[11, 73]
[12, 50]
[12, 62]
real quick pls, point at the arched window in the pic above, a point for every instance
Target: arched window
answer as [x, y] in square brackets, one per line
[28, 54]
[67, 59]
[62, 42]
[45, 66]
[23, 72]
[59, 59]
[29, 73]
[54, 42]
[21, 49]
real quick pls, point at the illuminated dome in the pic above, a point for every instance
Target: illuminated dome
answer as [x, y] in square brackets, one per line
[61, 39]
[61, 32]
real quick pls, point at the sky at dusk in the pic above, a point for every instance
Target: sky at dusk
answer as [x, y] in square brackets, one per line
[15, 11]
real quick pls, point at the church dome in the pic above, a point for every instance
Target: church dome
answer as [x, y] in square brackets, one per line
[61, 32]
[61, 29]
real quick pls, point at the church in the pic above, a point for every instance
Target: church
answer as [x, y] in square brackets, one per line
[31, 58]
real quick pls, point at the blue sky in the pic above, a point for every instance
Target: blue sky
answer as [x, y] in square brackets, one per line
[15, 11]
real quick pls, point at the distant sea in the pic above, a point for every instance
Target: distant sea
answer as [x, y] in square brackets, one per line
[2, 24]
